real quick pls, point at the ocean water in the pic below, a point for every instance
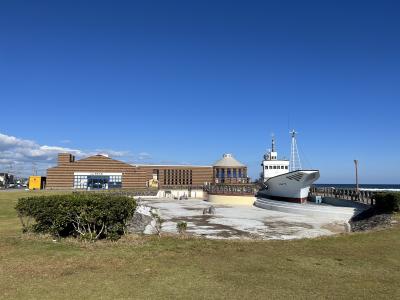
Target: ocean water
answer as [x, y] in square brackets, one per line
[364, 187]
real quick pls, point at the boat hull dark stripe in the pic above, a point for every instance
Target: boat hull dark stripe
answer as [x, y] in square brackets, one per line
[286, 199]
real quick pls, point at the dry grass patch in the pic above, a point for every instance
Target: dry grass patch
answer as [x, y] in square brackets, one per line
[357, 266]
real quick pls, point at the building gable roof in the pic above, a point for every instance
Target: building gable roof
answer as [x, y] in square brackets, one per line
[228, 160]
[100, 158]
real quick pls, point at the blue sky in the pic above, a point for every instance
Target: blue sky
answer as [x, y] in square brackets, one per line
[186, 81]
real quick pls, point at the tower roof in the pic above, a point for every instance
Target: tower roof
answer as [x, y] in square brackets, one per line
[228, 160]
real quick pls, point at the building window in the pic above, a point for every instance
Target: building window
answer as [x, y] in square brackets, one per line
[115, 182]
[286, 167]
[274, 167]
[229, 173]
[240, 173]
[80, 182]
[97, 181]
[234, 173]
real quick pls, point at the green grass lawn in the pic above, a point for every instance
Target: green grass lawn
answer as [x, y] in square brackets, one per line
[364, 265]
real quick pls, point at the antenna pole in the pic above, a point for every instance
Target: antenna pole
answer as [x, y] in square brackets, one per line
[295, 163]
[292, 166]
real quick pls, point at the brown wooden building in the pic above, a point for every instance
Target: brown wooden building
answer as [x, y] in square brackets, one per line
[102, 172]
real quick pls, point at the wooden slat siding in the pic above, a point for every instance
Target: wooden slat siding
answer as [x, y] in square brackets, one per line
[62, 176]
[200, 175]
[65, 158]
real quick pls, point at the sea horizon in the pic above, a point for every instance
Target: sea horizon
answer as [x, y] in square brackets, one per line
[367, 187]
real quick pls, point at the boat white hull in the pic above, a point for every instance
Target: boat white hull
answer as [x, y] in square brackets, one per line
[291, 187]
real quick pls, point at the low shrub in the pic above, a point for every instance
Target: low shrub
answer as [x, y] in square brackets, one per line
[181, 226]
[387, 202]
[85, 215]
[158, 222]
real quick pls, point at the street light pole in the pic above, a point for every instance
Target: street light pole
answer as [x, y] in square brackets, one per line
[356, 166]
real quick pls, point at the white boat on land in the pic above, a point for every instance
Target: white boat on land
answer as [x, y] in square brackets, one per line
[285, 180]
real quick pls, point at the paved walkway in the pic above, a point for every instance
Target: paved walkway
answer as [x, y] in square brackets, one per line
[249, 222]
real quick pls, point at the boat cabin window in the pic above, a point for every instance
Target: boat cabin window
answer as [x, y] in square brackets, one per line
[274, 167]
[286, 167]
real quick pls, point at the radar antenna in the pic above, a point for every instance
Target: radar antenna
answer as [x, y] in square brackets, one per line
[295, 163]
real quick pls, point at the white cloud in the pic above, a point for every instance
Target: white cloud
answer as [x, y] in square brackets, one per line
[112, 153]
[144, 156]
[19, 155]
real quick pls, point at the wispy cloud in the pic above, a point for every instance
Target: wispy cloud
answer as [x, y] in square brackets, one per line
[144, 156]
[112, 153]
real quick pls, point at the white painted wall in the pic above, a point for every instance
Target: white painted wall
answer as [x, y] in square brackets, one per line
[176, 193]
[231, 200]
[272, 168]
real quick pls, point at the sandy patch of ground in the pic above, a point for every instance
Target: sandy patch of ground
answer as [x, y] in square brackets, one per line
[233, 222]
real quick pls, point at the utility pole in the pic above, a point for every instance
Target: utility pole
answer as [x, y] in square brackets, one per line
[10, 170]
[356, 166]
[34, 169]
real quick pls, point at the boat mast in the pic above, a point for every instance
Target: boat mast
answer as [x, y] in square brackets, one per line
[273, 143]
[295, 163]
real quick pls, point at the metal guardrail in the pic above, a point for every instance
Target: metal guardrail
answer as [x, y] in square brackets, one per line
[231, 180]
[180, 187]
[366, 197]
[231, 189]
[123, 192]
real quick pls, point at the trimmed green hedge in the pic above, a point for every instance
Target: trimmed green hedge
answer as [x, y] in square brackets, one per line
[387, 202]
[86, 215]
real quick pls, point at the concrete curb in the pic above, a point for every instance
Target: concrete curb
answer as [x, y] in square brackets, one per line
[311, 210]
